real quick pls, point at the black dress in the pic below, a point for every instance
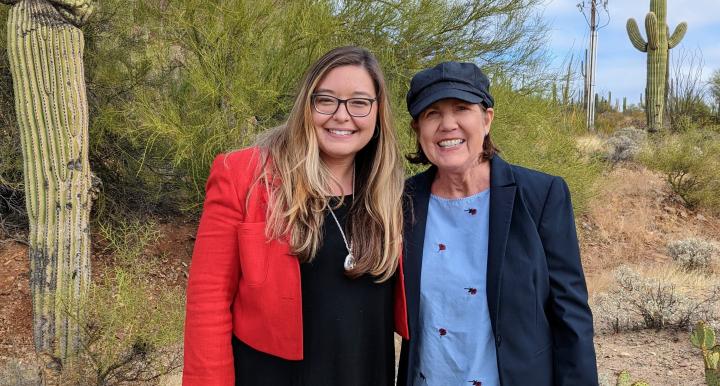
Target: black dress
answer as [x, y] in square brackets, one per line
[347, 326]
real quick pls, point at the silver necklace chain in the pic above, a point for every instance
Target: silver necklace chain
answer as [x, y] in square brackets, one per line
[349, 263]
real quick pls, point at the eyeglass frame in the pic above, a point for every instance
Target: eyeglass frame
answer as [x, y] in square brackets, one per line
[341, 102]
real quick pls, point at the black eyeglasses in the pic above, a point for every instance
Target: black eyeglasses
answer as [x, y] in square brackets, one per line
[328, 105]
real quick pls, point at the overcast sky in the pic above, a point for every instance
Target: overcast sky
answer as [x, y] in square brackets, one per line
[620, 67]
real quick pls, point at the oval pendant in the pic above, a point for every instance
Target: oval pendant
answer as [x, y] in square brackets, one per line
[349, 262]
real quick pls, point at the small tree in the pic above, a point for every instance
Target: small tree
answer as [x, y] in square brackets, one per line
[686, 91]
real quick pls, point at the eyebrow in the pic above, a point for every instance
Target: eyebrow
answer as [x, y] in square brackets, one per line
[356, 93]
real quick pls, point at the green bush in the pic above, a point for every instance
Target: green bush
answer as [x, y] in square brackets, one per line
[174, 83]
[132, 326]
[691, 164]
[532, 132]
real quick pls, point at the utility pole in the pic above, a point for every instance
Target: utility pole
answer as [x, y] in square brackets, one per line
[593, 22]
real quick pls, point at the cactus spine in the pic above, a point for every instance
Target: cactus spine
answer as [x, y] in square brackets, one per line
[45, 49]
[657, 47]
[703, 337]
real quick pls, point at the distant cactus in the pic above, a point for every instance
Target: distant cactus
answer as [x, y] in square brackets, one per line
[624, 379]
[566, 85]
[703, 337]
[657, 47]
[45, 49]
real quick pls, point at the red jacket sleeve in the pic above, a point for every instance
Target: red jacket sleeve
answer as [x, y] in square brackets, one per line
[214, 274]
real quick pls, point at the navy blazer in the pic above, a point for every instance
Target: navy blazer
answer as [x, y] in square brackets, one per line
[536, 290]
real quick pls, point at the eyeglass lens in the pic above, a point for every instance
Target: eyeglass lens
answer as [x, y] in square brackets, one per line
[327, 104]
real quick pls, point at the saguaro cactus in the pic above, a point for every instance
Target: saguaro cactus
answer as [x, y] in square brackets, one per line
[657, 47]
[45, 48]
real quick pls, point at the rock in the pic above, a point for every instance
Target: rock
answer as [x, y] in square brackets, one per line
[625, 354]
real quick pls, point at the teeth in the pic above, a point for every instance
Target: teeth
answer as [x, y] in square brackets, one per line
[450, 142]
[340, 132]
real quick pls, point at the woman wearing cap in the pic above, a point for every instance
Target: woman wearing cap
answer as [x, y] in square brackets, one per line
[495, 289]
[293, 272]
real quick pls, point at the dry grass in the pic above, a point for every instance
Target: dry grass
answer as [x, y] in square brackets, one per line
[631, 222]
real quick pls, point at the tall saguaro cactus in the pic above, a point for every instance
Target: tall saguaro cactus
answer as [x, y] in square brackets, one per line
[657, 47]
[45, 48]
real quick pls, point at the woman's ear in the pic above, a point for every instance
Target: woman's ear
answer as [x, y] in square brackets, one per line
[414, 125]
[489, 115]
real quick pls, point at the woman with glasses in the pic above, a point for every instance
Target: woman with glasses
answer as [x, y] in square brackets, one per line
[293, 274]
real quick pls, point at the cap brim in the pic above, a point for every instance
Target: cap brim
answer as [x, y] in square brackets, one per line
[442, 92]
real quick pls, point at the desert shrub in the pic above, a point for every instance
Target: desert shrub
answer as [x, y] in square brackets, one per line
[606, 122]
[16, 372]
[642, 302]
[692, 253]
[691, 164]
[636, 135]
[624, 144]
[132, 327]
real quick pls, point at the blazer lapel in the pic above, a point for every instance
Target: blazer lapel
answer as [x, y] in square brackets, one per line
[418, 198]
[502, 198]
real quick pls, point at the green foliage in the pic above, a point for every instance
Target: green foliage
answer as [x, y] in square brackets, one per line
[174, 83]
[535, 133]
[703, 337]
[691, 164]
[11, 165]
[624, 379]
[132, 326]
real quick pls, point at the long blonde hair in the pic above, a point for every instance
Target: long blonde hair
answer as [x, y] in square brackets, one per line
[298, 181]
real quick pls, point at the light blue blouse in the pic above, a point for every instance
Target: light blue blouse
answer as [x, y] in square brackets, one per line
[456, 345]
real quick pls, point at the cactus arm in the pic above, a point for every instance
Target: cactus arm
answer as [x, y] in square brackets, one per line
[651, 28]
[677, 35]
[634, 34]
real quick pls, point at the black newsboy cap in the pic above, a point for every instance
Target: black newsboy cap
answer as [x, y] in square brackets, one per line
[464, 81]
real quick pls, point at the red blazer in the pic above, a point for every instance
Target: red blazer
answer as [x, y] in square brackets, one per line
[242, 283]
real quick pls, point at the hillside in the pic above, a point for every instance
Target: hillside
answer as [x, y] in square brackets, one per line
[629, 222]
